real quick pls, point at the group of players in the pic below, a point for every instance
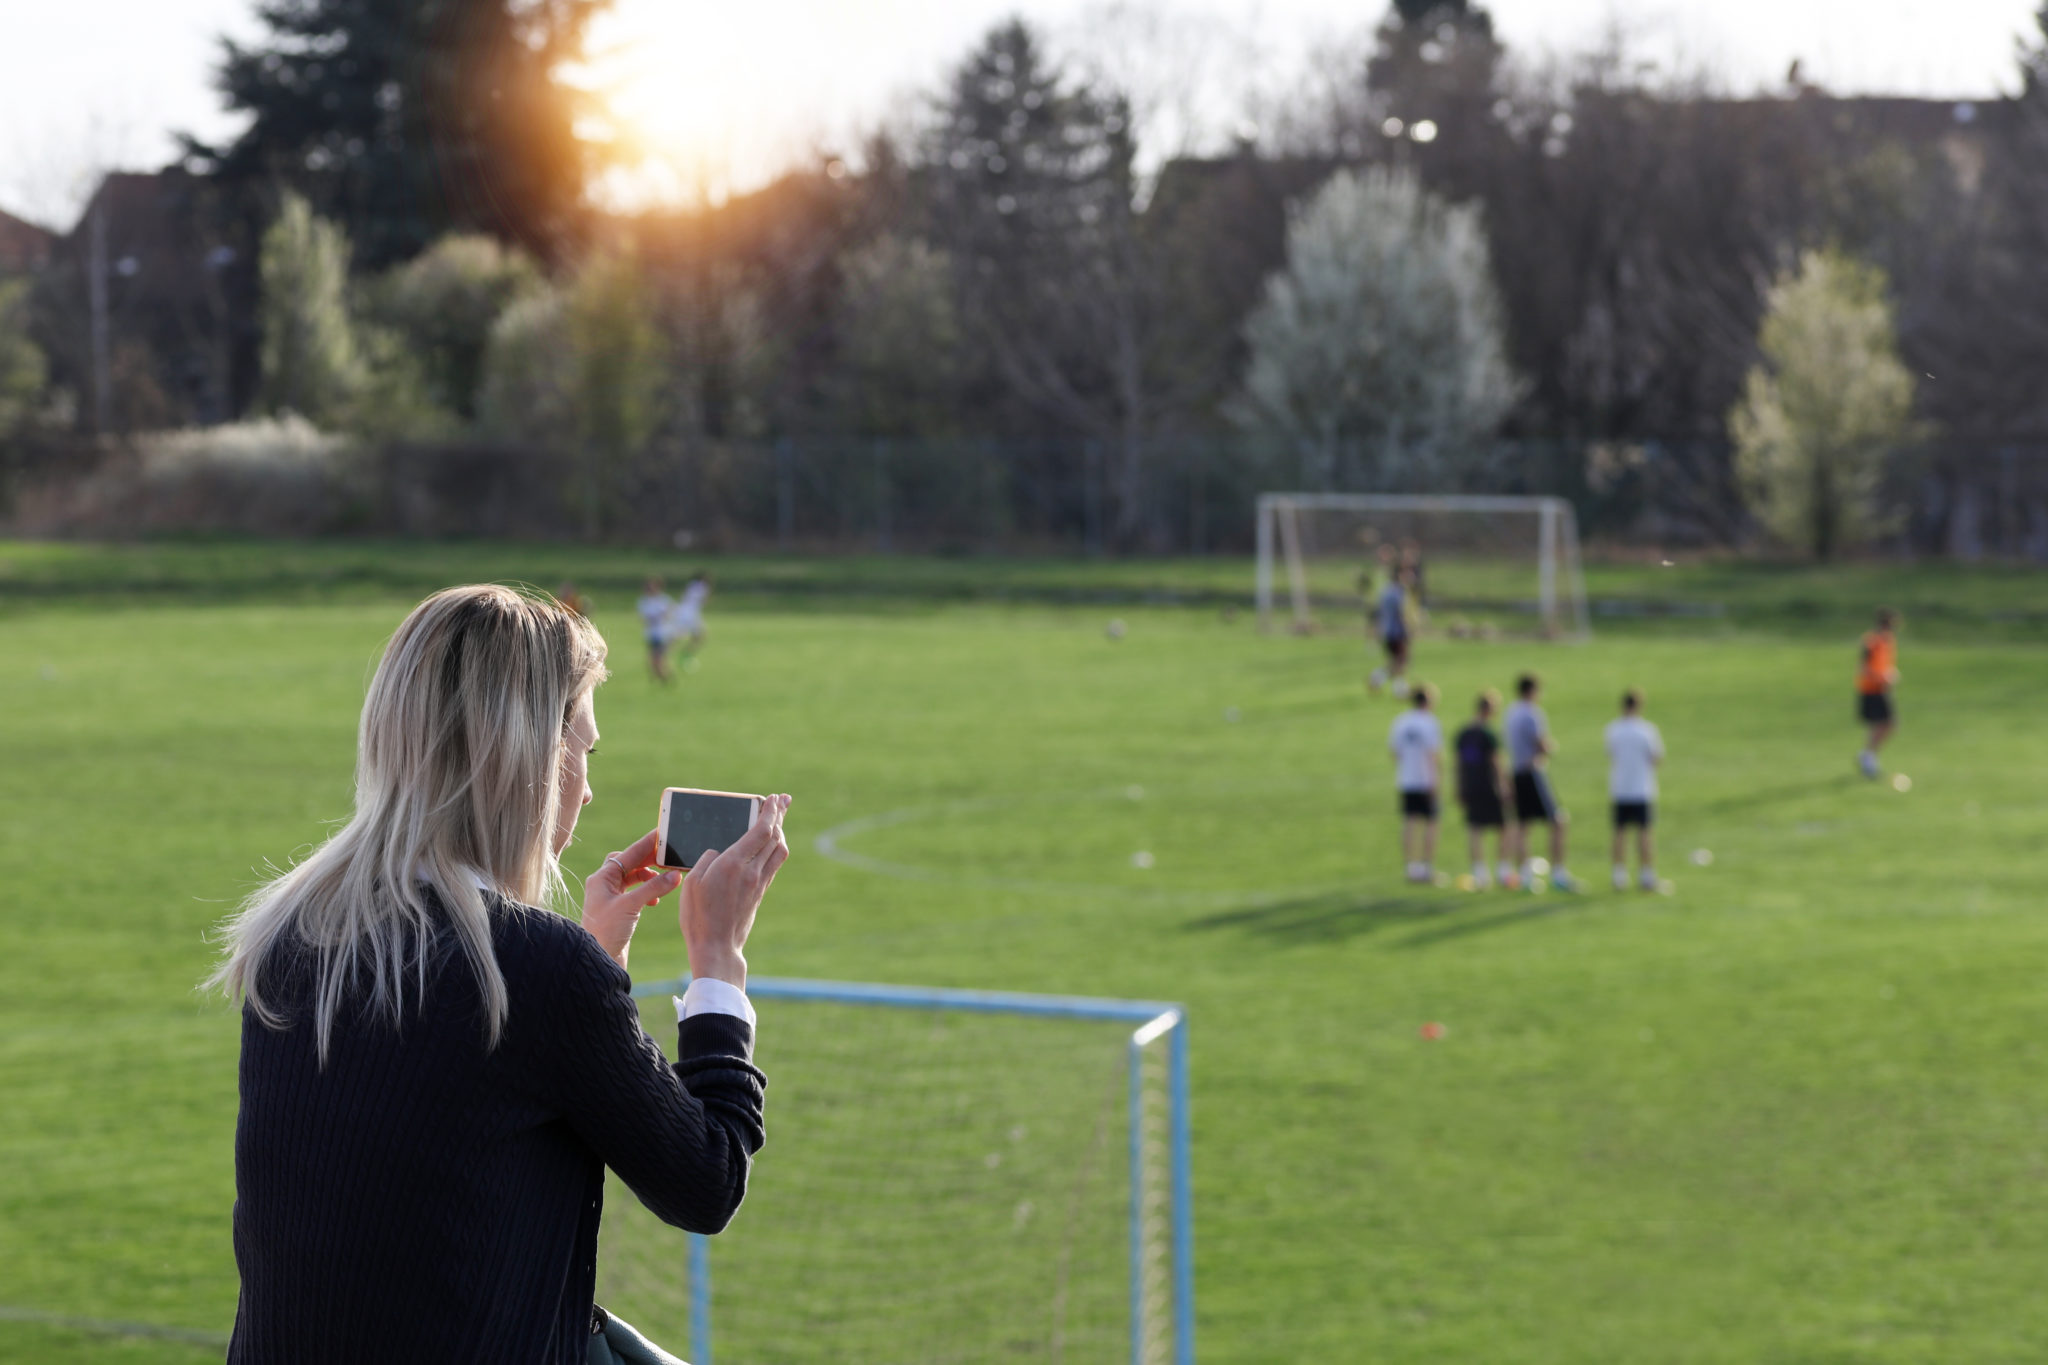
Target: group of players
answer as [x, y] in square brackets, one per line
[1506, 801]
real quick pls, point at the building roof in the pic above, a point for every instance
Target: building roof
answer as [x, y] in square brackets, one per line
[23, 245]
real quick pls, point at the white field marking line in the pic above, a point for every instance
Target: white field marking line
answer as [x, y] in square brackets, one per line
[109, 1328]
[829, 844]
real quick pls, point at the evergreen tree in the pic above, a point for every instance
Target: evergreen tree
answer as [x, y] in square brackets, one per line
[407, 119]
[1032, 183]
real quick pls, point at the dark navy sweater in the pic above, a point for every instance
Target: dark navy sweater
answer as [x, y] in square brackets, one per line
[425, 1198]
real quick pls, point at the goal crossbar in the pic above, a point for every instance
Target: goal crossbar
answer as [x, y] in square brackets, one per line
[1154, 1020]
[1278, 519]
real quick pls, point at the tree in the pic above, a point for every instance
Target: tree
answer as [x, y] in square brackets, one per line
[1380, 339]
[582, 368]
[528, 370]
[1032, 184]
[899, 338]
[616, 379]
[443, 304]
[1826, 408]
[22, 370]
[407, 119]
[311, 364]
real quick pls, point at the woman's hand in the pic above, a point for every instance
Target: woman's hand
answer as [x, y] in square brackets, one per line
[724, 890]
[623, 886]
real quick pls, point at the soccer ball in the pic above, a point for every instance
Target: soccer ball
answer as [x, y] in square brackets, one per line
[1115, 629]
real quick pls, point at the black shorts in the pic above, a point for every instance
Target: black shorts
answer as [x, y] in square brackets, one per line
[1533, 800]
[1634, 813]
[1873, 708]
[1397, 648]
[1483, 809]
[1419, 803]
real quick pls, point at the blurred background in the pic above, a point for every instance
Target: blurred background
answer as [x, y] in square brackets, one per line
[893, 275]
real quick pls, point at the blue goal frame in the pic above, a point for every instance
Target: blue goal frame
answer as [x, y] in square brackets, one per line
[1154, 1020]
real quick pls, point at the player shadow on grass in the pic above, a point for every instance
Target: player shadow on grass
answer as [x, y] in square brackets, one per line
[1318, 704]
[1337, 915]
[1770, 796]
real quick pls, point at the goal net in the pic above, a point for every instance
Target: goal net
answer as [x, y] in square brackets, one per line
[950, 1176]
[1486, 564]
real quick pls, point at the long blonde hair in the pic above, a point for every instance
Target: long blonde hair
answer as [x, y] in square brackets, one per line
[458, 773]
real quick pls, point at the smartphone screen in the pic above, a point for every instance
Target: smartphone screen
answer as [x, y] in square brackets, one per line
[692, 821]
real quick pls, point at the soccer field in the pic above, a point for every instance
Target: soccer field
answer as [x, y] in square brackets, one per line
[1792, 1111]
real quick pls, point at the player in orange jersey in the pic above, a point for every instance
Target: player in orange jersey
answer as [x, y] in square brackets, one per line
[1874, 679]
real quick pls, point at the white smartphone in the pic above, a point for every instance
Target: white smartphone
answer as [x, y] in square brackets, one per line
[693, 820]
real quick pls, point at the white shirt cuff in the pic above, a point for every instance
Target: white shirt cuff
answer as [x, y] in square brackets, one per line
[707, 995]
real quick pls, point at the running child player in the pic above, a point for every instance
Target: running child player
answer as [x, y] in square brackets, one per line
[1416, 740]
[686, 622]
[1876, 675]
[1481, 790]
[1529, 750]
[655, 607]
[1634, 749]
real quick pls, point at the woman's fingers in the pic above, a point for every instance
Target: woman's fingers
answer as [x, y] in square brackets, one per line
[636, 856]
[749, 847]
[644, 891]
[653, 888]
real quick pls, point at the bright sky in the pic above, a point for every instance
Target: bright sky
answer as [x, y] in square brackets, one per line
[732, 91]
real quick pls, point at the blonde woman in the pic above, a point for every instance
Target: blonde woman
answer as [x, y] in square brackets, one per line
[434, 1073]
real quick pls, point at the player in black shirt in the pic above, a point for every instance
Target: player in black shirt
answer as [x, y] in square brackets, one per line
[1480, 787]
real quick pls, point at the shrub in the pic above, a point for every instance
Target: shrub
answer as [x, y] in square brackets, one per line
[267, 476]
[443, 304]
[311, 363]
[23, 372]
[1826, 407]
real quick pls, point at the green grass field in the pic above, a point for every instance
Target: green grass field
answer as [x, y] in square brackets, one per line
[1791, 1112]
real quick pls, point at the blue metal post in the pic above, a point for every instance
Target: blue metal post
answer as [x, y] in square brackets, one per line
[1183, 1199]
[700, 1299]
[1137, 1050]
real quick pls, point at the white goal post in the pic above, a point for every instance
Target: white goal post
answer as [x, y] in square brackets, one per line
[1513, 529]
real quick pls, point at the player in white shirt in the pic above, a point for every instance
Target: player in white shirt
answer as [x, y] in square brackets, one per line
[1417, 741]
[1634, 749]
[686, 622]
[655, 607]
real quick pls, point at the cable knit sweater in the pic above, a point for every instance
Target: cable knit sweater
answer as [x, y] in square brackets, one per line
[424, 1198]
